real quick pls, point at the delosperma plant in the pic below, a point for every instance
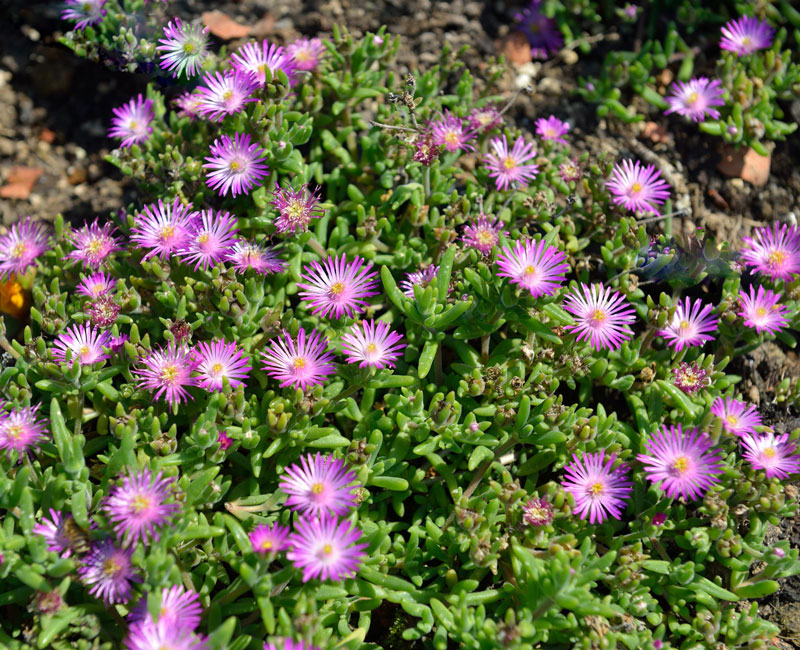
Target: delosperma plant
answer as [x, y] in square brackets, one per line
[369, 366]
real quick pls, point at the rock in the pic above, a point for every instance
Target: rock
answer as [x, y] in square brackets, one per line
[20, 182]
[515, 47]
[655, 132]
[746, 164]
[223, 26]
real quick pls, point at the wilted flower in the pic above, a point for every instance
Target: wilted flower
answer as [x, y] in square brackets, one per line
[775, 454]
[108, 572]
[485, 118]
[738, 418]
[552, 129]
[570, 170]
[762, 311]
[164, 228]
[372, 344]
[246, 255]
[542, 32]
[659, 518]
[598, 489]
[256, 59]
[225, 93]
[483, 233]
[602, 317]
[25, 241]
[301, 363]
[21, 429]
[425, 150]
[774, 251]
[235, 165]
[219, 360]
[325, 547]
[184, 48]
[449, 131]
[690, 377]
[84, 343]
[534, 265]
[306, 53]
[84, 12]
[746, 35]
[537, 512]
[132, 121]
[93, 244]
[296, 208]
[103, 312]
[338, 287]
[168, 372]
[690, 325]
[637, 188]
[508, 168]
[696, 98]
[270, 538]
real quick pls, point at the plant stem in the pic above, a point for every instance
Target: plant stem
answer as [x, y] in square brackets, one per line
[317, 247]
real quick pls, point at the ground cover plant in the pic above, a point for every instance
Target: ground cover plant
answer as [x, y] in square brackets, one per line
[368, 364]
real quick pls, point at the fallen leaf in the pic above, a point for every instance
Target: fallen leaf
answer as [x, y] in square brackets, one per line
[223, 26]
[20, 182]
[515, 47]
[263, 27]
[746, 164]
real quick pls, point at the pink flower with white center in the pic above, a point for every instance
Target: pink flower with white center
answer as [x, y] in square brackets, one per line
[188, 104]
[168, 372]
[256, 58]
[246, 255]
[746, 35]
[139, 506]
[422, 278]
[93, 244]
[682, 462]
[84, 343]
[184, 48]
[775, 454]
[602, 317]
[690, 378]
[762, 311]
[449, 132]
[219, 360]
[163, 635]
[598, 490]
[300, 363]
[319, 484]
[131, 121]
[696, 99]
[164, 228]
[306, 53]
[533, 265]
[483, 233]
[25, 241]
[235, 166]
[372, 344]
[542, 31]
[55, 533]
[84, 12]
[267, 539]
[288, 644]
[326, 548]
[690, 324]
[552, 129]
[225, 93]
[21, 429]
[108, 572]
[738, 418]
[537, 512]
[774, 251]
[338, 287]
[637, 188]
[213, 240]
[508, 168]
[96, 285]
[179, 607]
[296, 208]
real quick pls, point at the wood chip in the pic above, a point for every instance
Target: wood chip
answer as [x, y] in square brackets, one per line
[20, 182]
[223, 26]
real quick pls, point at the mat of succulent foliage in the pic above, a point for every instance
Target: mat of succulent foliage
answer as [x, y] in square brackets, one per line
[371, 366]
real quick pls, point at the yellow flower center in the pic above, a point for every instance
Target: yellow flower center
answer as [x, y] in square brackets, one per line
[776, 258]
[550, 132]
[295, 210]
[636, 188]
[111, 566]
[133, 125]
[485, 237]
[266, 545]
[509, 163]
[15, 431]
[202, 239]
[530, 270]
[302, 55]
[451, 137]
[684, 325]
[691, 99]
[299, 363]
[770, 452]
[327, 549]
[167, 232]
[732, 420]
[761, 312]
[317, 488]
[188, 48]
[95, 245]
[746, 40]
[227, 95]
[596, 489]
[337, 288]
[87, 7]
[169, 374]
[98, 287]
[19, 249]
[372, 348]
[84, 351]
[681, 464]
[216, 368]
[235, 166]
[141, 502]
[598, 316]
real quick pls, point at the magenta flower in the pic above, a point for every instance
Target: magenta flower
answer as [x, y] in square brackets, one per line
[602, 317]
[168, 372]
[690, 324]
[422, 278]
[659, 518]
[164, 229]
[188, 104]
[108, 572]
[93, 244]
[85, 343]
[598, 489]
[84, 12]
[21, 430]
[696, 99]
[132, 121]
[319, 484]
[542, 32]
[774, 251]
[762, 311]
[484, 119]
[296, 208]
[301, 363]
[117, 343]
[254, 58]
[148, 635]
[219, 360]
[775, 454]
[534, 265]
[96, 285]
[25, 241]
[483, 233]
[179, 607]
[738, 418]
[225, 94]
[690, 378]
[570, 171]
[245, 255]
[306, 53]
[746, 35]
[55, 534]
[235, 166]
[338, 287]
[325, 547]
[537, 512]
[184, 48]
[224, 440]
[637, 188]
[682, 462]
[270, 538]
[288, 644]
[508, 168]
[211, 243]
[449, 132]
[552, 129]
[372, 344]
[103, 312]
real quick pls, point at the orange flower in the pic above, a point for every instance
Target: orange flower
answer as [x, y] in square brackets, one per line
[14, 300]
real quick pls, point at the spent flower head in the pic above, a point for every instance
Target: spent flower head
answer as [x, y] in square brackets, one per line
[774, 251]
[337, 287]
[761, 310]
[325, 547]
[738, 418]
[637, 188]
[509, 168]
[690, 377]
[300, 362]
[690, 325]
[598, 488]
[746, 35]
[24, 242]
[131, 121]
[537, 512]
[601, 317]
[533, 265]
[696, 98]
[372, 344]
[184, 48]
[103, 312]
[235, 165]
[570, 171]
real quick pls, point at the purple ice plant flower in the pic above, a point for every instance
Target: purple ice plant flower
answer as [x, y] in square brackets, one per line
[449, 132]
[219, 360]
[108, 572]
[93, 244]
[184, 48]
[761, 310]
[296, 208]
[690, 377]
[24, 242]
[598, 490]
[163, 635]
[690, 325]
[84, 12]
[552, 129]
[372, 344]
[116, 343]
[738, 418]
[637, 188]
[537, 512]
[212, 241]
[179, 607]
[96, 285]
[337, 287]
[774, 251]
[775, 454]
[188, 104]
[533, 265]
[249, 256]
[542, 32]
[269, 538]
[509, 168]
[601, 317]
[423, 278]
[288, 644]
[256, 58]
[225, 93]
[168, 372]
[131, 121]
[306, 53]
[21, 430]
[696, 98]
[681, 462]
[325, 547]
[483, 119]
[85, 344]
[55, 533]
[483, 233]
[224, 440]
[164, 228]
[300, 363]
[659, 518]
[235, 165]
[746, 35]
